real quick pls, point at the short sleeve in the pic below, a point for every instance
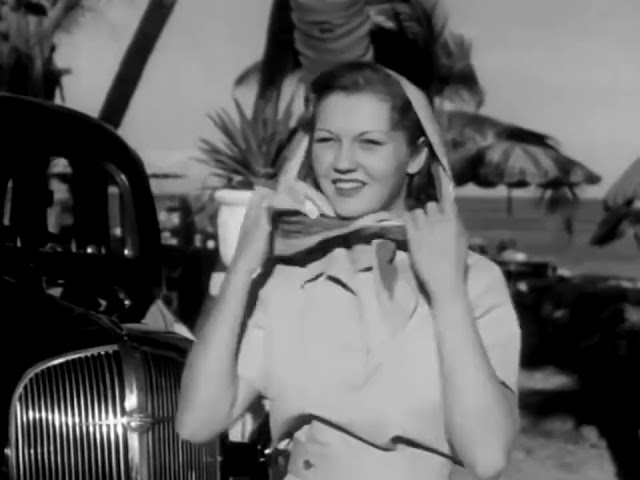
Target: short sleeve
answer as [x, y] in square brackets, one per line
[251, 360]
[497, 320]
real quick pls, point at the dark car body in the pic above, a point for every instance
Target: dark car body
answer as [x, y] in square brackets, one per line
[89, 394]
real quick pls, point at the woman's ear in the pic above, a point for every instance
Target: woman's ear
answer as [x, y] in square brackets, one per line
[418, 158]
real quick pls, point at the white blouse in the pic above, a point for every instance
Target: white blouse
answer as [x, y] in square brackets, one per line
[349, 365]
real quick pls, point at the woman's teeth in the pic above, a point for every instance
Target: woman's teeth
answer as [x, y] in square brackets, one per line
[348, 184]
[348, 188]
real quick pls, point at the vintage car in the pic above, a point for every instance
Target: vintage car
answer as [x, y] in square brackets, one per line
[90, 390]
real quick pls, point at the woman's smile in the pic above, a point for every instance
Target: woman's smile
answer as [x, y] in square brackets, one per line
[360, 160]
[346, 187]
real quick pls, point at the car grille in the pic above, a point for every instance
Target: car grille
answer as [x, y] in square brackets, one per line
[169, 457]
[102, 414]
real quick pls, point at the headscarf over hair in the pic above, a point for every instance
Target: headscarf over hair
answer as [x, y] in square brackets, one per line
[296, 234]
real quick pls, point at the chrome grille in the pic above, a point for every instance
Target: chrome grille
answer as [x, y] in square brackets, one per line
[67, 420]
[105, 414]
[169, 457]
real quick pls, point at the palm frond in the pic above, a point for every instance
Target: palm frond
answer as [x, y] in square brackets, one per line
[528, 136]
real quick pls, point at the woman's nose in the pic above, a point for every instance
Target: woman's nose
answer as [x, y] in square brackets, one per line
[343, 160]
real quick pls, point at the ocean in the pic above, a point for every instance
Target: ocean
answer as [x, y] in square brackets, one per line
[541, 235]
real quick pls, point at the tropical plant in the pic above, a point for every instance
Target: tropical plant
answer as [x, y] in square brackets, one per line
[250, 150]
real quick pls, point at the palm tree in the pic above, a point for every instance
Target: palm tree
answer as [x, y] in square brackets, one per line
[28, 29]
[134, 61]
[27, 45]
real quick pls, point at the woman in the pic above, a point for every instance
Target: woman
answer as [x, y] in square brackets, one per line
[377, 363]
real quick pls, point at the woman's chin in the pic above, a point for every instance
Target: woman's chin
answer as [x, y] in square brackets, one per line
[347, 212]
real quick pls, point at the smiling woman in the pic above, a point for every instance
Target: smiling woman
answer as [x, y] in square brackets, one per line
[378, 361]
[367, 140]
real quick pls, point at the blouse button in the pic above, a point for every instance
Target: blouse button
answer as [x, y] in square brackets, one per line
[307, 464]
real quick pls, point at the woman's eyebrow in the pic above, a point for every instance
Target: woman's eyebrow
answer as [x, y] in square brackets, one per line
[386, 133]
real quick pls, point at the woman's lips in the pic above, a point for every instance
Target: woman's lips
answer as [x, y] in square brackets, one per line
[348, 188]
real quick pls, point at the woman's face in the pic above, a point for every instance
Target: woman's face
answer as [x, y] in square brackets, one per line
[359, 160]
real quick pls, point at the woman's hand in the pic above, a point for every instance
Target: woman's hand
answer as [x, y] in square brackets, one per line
[254, 242]
[438, 246]
[253, 245]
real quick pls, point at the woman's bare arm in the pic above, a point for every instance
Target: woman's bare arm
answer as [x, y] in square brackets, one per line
[476, 331]
[481, 413]
[212, 395]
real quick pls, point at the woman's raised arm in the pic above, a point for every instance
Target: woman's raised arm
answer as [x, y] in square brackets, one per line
[212, 394]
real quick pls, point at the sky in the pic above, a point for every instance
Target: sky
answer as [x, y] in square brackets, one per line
[568, 68]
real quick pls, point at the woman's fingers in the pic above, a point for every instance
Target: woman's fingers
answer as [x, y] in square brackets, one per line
[261, 197]
[447, 193]
[296, 153]
[409, 225]
[318, 200]
[303, 198]
[433, 209]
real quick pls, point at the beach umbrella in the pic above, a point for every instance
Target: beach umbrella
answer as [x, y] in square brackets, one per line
[489, 152]
[470, 128]
[467, 134]
[520, 165]
[622, 208]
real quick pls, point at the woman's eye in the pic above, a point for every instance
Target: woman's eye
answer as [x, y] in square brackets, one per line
[323, 139]
[371, 142]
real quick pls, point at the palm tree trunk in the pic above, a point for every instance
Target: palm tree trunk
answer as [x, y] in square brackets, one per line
[134, 61]
[509, 202]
